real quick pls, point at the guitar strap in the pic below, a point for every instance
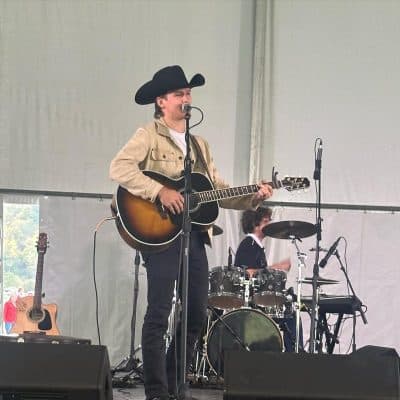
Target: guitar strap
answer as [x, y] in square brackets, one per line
[201, 156]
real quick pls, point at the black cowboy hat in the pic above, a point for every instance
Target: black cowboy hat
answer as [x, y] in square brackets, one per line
[166, 80]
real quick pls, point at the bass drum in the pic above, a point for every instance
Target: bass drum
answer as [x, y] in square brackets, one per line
[245, 326]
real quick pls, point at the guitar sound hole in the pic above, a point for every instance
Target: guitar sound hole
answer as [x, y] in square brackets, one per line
[42, 318]
[36, 315]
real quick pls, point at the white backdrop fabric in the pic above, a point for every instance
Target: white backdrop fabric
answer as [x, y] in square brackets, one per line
[69, 71]
[334, 74]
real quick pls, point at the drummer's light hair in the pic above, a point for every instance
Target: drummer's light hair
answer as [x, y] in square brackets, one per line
[252, 218]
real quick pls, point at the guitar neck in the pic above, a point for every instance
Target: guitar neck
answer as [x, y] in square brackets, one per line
[208, 196]
[37, 298]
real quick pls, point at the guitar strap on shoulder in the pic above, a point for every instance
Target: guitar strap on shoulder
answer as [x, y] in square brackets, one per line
[201, 156]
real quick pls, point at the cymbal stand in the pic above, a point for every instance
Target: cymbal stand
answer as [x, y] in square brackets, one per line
[318, 223]
[300, 264]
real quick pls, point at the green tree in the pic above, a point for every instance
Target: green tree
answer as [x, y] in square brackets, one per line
[21, 225]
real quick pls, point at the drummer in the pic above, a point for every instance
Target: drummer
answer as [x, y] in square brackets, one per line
[250, 252]
[251, 255]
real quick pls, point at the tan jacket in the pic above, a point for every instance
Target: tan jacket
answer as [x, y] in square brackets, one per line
[152, 148]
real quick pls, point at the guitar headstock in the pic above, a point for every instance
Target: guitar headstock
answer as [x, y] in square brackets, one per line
[42, 243]
[292, 183]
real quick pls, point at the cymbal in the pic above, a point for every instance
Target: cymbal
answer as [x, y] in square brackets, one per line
[320, 281]
[216, 230]
[289, 229]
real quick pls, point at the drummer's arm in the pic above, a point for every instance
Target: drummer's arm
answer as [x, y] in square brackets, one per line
[283, 265]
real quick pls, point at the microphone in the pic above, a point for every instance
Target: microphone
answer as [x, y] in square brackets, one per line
[317, 170]
[186, 108]
[329, 253]
[229, 257]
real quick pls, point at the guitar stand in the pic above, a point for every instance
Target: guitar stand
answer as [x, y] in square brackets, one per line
[131, 364]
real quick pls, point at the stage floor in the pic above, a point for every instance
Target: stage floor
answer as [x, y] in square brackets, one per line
[138, 393]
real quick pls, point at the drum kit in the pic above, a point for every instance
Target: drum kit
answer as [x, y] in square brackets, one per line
[246, 305]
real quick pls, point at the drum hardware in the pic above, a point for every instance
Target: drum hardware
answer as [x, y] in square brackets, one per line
[248, 284]
[293, 230]
[301, 257]
[202, 355]
[320, 281]
[200, 361]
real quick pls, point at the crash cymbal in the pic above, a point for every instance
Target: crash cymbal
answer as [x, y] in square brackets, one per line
[320, 281]
[289, 229]
[216, 230]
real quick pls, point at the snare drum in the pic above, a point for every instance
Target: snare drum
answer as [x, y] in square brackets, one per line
[269, 286]
[226, 289]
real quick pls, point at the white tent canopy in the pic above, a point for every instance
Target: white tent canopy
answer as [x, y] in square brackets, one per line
[279, 74]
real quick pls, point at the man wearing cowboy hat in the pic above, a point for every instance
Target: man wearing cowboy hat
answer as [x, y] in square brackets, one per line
[160, 146]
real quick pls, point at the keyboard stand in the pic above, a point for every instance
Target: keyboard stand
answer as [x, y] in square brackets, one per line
[331, 338]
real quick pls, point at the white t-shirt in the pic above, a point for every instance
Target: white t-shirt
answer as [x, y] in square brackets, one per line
[179, 139]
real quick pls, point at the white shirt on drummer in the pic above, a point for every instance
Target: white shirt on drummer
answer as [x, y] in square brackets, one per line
[179, 139]
[256, 239]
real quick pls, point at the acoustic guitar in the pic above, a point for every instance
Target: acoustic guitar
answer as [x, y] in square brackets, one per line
[145, 225]
[32, 315]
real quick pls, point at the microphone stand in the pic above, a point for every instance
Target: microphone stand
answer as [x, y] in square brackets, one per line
[184, 264]
[314, 306]
[357, 303]
[131, 364]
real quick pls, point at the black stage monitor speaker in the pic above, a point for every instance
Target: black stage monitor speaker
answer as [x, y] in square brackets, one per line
[370, 374]
[46, 371]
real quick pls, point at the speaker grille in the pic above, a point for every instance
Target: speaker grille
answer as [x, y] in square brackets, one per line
[44, 371]
[267, 375]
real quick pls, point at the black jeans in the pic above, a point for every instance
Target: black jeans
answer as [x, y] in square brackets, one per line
[162, 272]
[288, 327]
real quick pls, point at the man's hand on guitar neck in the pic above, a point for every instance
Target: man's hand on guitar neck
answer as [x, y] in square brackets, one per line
[171, 200]
[265, 191]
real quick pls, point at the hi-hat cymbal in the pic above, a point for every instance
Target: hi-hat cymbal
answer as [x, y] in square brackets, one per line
[289, 229]
[320, 281]
[216, 230]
